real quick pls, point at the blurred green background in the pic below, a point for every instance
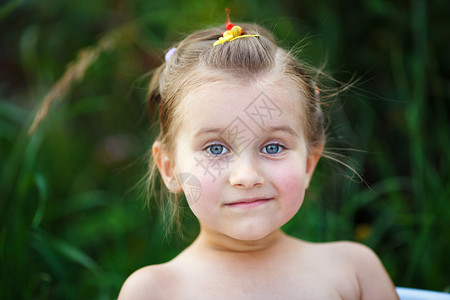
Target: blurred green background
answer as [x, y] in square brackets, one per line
[72, 215]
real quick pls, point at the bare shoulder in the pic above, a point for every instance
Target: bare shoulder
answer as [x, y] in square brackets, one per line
[146, 283]
[343, 250]
[352, 251]
[374, 281]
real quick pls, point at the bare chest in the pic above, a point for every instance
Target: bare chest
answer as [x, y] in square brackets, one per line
[281, 283]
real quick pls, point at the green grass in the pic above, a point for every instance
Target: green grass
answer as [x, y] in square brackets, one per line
[73, 226]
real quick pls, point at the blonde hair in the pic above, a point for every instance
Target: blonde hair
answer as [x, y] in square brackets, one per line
[197, 61]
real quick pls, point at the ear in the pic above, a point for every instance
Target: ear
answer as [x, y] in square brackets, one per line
[311, 162]
[166, 167]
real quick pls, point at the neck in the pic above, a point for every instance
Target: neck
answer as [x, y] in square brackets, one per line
[214, 241]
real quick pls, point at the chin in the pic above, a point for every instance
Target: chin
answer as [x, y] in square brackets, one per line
[250, 234]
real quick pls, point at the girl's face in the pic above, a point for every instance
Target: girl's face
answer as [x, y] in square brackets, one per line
[241, 158]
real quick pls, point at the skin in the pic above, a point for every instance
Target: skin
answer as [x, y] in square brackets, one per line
[241, 253]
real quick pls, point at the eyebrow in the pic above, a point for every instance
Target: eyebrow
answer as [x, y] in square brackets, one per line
[283, 128]
[208, 130]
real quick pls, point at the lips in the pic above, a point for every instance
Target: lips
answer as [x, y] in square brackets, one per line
[247, 203]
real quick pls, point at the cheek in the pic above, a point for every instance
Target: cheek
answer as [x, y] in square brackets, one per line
[206, 207]
[291, 179]
[208, 190]
[290, 183]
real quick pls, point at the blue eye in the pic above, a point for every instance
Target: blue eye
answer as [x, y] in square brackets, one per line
[272, 149]
[217, 149]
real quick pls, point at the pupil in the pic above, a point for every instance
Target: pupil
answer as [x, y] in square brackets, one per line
[272, 149]
[217, 149]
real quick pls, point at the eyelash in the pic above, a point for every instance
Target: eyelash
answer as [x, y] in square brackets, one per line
[208, 149]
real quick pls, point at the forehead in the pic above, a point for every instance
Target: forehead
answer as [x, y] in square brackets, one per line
[256, 105]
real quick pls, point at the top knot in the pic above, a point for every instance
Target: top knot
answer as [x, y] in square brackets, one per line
[233, 32]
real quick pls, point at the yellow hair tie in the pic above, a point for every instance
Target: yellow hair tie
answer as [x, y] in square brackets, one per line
[233, 32]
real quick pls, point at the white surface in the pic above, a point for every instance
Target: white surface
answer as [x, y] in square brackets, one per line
[416, 294]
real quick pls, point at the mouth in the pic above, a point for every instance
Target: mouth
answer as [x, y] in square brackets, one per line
[248, 203]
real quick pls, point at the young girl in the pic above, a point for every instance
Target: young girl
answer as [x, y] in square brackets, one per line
[241, 133]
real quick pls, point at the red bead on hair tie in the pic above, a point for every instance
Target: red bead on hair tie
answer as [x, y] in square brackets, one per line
[229, 24]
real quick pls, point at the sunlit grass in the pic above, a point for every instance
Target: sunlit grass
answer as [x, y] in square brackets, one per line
[72, 226]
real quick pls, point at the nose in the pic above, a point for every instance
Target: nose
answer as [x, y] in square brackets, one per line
[246, 173]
